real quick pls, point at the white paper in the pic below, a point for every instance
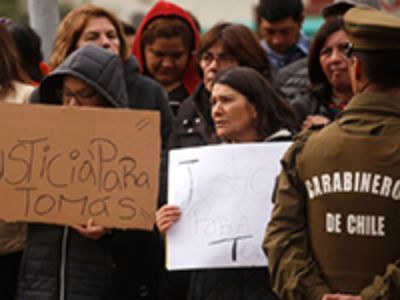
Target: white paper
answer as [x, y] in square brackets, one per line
[225, 195]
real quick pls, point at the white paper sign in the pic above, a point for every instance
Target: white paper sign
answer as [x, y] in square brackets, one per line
[225, 194]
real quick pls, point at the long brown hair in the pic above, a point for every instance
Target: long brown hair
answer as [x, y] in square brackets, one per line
[10, 68]
[315, 72]
[72, 27]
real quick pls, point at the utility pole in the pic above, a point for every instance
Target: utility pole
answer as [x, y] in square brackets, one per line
[44, 18]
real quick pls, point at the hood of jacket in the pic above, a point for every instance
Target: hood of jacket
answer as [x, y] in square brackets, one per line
[167, 9]
[100, 69]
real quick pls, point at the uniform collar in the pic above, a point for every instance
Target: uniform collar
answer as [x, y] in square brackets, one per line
[375, 101]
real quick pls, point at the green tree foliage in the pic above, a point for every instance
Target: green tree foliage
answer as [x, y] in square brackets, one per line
[14, 9]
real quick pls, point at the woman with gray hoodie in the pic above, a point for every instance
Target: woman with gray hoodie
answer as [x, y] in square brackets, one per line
[87, 262]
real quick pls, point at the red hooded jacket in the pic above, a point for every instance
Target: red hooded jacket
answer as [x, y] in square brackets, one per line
[164, 9]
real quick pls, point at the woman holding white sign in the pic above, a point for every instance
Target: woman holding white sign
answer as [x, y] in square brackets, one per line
[244, 108]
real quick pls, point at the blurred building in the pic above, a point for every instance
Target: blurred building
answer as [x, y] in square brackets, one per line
[208, 12]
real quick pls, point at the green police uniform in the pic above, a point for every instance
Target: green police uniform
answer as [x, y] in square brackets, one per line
[335, 224]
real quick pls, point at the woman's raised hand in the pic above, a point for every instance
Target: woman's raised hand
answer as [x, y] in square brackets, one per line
[166, 216]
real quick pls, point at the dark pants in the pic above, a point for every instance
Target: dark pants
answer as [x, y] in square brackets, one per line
[174, 285]
[9, 267]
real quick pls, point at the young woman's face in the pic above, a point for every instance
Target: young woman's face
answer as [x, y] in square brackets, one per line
[213, 60]
[334, 62]
[76, 92]
[234, 117]
[166, 60]
[99, 31]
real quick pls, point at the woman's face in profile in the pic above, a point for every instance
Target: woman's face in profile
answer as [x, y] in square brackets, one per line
[234, 116]
[334, 62]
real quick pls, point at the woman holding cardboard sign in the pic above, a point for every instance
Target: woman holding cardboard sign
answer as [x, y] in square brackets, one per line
[86, 261]
[91, 24]
[244, 108]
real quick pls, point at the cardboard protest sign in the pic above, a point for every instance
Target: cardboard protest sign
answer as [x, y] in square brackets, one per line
[65, 165]
[225, 195]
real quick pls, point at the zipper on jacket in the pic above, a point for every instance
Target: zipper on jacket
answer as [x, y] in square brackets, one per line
[63, 263]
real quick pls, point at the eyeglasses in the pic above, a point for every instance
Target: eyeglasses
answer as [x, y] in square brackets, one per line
[81, 98]
[349, 50]
[223, 58]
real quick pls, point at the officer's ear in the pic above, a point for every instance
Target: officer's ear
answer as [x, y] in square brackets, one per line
[356, 74]
[357, 67]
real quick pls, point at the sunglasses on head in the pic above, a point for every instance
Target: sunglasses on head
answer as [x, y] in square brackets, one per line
[349, 50]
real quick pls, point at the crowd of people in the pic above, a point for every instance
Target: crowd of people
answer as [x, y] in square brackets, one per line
[335, 96]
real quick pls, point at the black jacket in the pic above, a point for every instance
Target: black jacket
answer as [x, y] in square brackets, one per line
[59, 263]
[193, 125]
[315, 102]
[145, 93]
[292, 79]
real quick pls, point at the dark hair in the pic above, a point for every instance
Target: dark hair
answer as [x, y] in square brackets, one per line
[168, 27]
[238, 41]
[381, 67]
[274, 113]
[276, 10]
[336, 10]
[315, 72]
[10, 69]
[128, 29]
[28, 45]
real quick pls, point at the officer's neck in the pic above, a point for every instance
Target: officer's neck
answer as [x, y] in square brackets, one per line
[388, 90]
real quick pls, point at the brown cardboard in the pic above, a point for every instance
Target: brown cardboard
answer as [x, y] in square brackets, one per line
[64, 165]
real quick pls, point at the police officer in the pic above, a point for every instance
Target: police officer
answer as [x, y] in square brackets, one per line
[334, 230]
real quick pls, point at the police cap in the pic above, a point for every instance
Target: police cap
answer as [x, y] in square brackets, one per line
[370, 29]
[338, 6]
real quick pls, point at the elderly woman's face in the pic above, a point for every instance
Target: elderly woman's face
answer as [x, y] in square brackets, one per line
[234, 117]
[76, 92]
[334, 62]
[99, 31]
[213, 60]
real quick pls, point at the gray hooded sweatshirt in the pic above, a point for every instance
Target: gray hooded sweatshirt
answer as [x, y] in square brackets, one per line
[97, 67]
[60, 264]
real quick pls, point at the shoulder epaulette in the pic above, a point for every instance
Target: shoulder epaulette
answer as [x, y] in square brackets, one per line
[305, 134]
